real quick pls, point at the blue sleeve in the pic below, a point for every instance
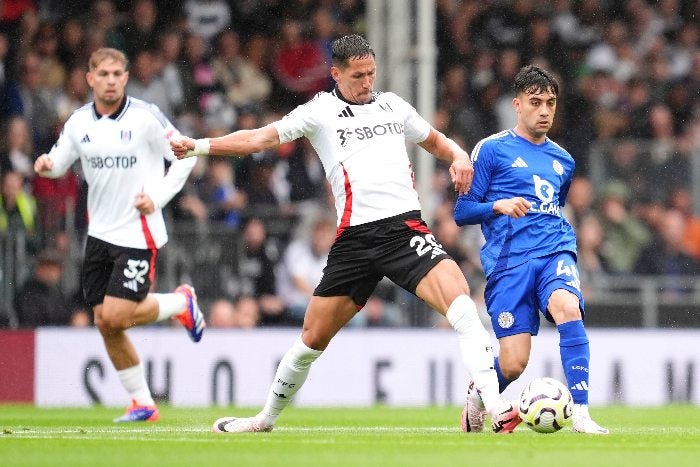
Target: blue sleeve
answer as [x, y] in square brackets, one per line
[469, 211]
[470, 208]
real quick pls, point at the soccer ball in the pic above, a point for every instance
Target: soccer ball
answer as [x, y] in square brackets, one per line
[545, 405]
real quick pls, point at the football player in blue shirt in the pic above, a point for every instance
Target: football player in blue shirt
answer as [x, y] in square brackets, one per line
[521, 179]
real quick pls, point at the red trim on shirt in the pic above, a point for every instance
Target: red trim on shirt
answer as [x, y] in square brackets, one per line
[347, 211]
[151, 245]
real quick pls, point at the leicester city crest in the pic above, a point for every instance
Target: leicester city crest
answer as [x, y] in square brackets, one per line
[506, 319]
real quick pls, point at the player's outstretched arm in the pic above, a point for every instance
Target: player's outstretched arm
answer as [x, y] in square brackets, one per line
[442, 147]
[43, 165]
[238, 143]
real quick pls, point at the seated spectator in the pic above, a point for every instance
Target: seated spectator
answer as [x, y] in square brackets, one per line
[682, 200]
[302, 265]
[300, 64]
[592, 266]
[665, 255]
[221, 314]
[243, 83]
[219, 193]
[74, 94]
[27, 97]
[41, 301]
[18, 210]
[18, 148]
[625, 235]
[146, 83]
[246, 313]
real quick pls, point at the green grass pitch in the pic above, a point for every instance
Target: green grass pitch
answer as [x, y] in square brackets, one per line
[382, 436]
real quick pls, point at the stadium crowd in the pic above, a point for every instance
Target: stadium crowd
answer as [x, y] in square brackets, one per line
[630, 116]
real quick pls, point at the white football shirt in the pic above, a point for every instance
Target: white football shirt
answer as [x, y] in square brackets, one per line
[363, 152]
[122, 155]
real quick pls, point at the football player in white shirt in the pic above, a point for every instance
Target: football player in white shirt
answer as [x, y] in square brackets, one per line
[122, 143]
[360, 138]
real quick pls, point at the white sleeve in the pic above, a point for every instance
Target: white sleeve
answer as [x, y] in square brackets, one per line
[297, 123]
[416, 128]
[63, 153]
[178, 171]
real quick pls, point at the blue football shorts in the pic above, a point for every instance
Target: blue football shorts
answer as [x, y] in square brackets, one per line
[515, 297]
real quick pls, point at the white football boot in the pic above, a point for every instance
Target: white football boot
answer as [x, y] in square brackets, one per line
[240, 425]
[474, 412]
[583, 423]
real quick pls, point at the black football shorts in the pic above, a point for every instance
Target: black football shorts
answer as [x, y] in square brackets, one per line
[116, 271]
[401, 248]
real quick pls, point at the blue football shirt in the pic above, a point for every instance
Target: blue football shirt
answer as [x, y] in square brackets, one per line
[505, 166]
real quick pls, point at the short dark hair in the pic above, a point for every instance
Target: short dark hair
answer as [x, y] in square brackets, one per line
[532, 79]
[351, 46]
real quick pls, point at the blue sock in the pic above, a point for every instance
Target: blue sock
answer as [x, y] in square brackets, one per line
[575, 357]
[502, 381]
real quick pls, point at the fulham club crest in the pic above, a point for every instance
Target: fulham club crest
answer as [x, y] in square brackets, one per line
[126, 136]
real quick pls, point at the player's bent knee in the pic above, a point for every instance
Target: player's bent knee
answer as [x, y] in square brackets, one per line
[512, 369]
[108, 323]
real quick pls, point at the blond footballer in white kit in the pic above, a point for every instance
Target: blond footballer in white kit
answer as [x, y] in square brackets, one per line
[360, 137]
[122, 143]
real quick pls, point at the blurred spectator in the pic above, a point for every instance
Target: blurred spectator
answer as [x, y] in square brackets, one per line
[57, 203]
[17, 148]
[246, 313]
[221, 314]
[592, 266]
[300, 64]
[625, 236]
[41, 301]
[29, 99]
[666, 255]
[71, 39]
[207, 18]
[263, 193]
[302, 265]
[579, 201]
[146, 83]
[305, 175]
[614, 54]
[52, 70]
[256, 261]
[627, 164]
[74, 94]
[18, 211]
[669, 169]
[223, 200]
[682, 201]
[108, 23]
[140, 31]
[201, 95]
[378, 313]
[169, 50]
[243, 83]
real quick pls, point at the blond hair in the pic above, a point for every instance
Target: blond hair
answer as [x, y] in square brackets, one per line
[104, 53]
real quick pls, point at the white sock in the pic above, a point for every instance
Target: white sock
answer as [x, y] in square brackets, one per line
[134, 381]
[169, 304]
[477, 350]
[580, 410]
[291, 374]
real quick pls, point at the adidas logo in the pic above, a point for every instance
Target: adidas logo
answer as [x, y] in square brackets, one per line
[519, 162]
[86, 139]
[131, 285]
[346, 112]
[582, 386]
